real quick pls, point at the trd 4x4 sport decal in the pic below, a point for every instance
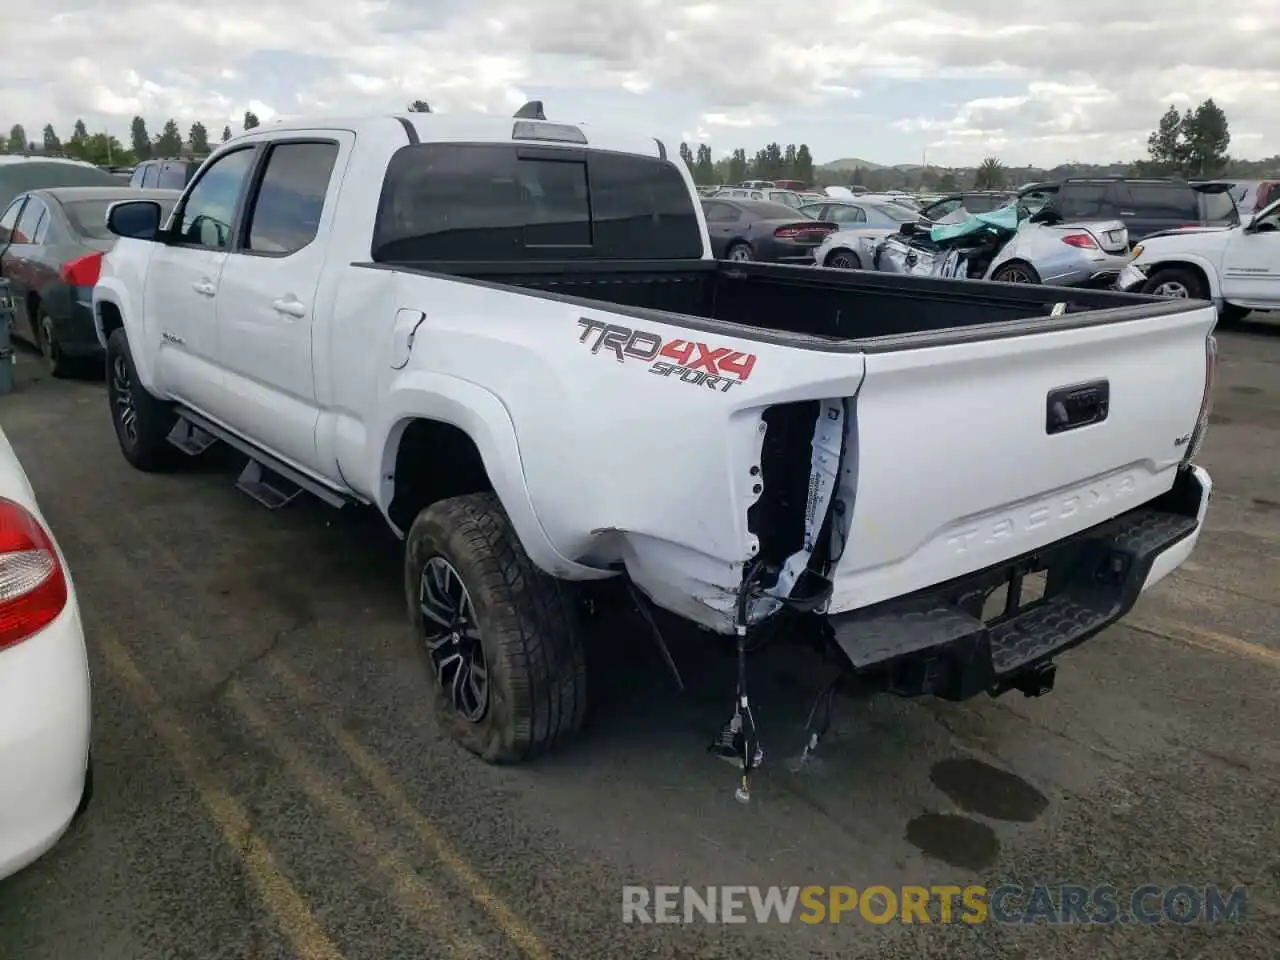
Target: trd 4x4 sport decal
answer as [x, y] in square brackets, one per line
[717, 368]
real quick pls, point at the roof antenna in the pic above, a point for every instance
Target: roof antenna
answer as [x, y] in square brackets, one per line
[531, 111]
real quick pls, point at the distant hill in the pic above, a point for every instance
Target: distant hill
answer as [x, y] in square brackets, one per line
[850, 163]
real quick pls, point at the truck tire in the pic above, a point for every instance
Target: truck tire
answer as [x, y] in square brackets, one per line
[500, 638]
[1177, 283]
[142, 421]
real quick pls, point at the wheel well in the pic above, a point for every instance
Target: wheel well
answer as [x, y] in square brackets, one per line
[434, 461]
[1182, 265]
[109, 319]
[834, 250]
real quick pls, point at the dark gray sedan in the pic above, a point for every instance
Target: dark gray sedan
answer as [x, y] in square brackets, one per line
[51, 247]
[759, 230]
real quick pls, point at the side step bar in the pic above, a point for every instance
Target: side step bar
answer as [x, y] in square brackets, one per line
[265, 478]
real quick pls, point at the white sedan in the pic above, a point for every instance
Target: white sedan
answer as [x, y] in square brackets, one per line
[45, 777]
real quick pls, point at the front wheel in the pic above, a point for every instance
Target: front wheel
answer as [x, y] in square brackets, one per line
[142, 421]
[500, 638]
[843, 260]
[1177, 284]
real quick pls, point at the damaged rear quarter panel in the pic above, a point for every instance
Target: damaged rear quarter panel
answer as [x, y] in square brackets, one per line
[630, 455]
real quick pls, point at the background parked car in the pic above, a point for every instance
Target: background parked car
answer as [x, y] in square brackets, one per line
[955, 207]
[866, 212]
[164, 174]
[1145, 205]
[51, 248]
[1253, 196]
[786, 197]
[20, 174]
[759, 230]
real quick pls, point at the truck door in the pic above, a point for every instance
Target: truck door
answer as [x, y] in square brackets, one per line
[1251, 263]
[267, 302]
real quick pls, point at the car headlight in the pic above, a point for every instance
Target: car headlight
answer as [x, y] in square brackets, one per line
[1135, 253]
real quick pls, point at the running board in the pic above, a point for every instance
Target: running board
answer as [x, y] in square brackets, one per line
[269, 489]
[190, 439]
[267, 479]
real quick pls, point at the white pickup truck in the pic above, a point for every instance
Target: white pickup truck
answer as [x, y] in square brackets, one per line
[1237, 268]
[510, 338]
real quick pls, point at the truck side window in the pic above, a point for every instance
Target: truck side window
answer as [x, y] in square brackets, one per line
[139, 173]
[151, 178]
[29, 223]
[206, 217]
[286, 213]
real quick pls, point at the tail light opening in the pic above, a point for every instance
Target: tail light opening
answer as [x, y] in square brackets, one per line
[83, 271]
[33, 585]
[1081, 240]
[1206, 400]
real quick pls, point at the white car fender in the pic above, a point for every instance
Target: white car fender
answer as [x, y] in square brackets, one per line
[124, 269]
[419, 395]
[1158, 252]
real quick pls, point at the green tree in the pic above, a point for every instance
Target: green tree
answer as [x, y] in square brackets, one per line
[947, 183]
[169, 143]
[737, 171]
[1206, 136]
[418, 106]
[804, 164]
[139, 138]
[226, 134]
[989, 175]
[773, 161]
[704, 171]
[79, 137]
[687, 156]
[17, 139]
[1166, 146]
[51, 142]
[198, 138]
[250, 120]
[789, 162]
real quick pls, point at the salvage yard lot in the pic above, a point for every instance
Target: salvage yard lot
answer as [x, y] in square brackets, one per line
[270, 784]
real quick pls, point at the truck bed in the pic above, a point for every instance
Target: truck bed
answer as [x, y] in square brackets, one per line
[834, 304]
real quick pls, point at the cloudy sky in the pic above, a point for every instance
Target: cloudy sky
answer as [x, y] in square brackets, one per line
[1041, 81]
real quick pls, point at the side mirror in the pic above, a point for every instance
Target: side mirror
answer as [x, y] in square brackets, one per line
[134, 219]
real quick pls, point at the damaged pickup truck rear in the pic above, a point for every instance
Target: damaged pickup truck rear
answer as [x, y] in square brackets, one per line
[510, 337]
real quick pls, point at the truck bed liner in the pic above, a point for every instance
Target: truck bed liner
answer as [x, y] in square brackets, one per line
[836, 305]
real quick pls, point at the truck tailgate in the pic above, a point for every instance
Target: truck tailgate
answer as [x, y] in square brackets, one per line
[967, 455]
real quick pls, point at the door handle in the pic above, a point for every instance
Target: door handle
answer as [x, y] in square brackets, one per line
[204, 287]
[290, 306]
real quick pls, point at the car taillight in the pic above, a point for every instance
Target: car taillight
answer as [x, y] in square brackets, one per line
[1081, 240]
[83, 271]
[804, 230]
[1206, 400]
[33, 587]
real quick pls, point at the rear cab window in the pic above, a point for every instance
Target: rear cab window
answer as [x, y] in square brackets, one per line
[1218, 207]
[510, 202]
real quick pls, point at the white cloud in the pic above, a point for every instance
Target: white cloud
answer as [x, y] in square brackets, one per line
[1086, 78]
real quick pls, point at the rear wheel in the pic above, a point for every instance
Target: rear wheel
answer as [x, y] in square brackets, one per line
[1176, 283]
[142, 421]
[500, 638]
[60, 365]
[843, 260]
[1016, 272]
[739, 252]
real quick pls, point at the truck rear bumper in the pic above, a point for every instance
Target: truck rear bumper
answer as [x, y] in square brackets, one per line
[937, 641]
